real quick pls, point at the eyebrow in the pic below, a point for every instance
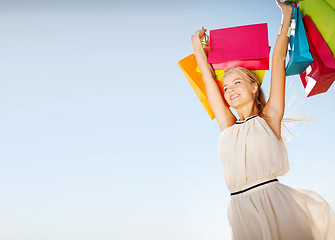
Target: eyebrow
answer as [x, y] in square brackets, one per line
[233, 81]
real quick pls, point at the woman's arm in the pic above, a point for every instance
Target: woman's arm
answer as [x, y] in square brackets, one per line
[222, 113]
[275, 106]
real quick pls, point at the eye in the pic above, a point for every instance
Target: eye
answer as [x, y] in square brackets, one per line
[237, 82]
[224, 89]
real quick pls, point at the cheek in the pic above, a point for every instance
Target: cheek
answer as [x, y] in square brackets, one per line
[225, 95]
[240, 88]
[244, 88]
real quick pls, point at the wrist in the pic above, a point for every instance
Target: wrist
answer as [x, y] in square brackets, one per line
[287, 12]
[286, 19]
[195, 38]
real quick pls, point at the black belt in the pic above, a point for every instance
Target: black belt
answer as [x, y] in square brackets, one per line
[257, 185]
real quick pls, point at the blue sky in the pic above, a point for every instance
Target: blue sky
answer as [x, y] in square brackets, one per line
[102, 136]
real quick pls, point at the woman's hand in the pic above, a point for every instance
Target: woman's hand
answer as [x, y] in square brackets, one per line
[199, 34]
[285, 7]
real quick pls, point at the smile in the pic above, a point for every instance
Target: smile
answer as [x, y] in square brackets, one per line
[233, 96]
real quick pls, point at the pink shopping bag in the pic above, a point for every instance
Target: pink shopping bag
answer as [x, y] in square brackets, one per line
[320, 75]
[239, 43]
[253, 64]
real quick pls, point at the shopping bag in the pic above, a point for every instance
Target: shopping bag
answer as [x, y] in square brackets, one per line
[299, 57]
[322, 13]
[188, 65]
[239, 43]
[219, 74]
[252, 64]
[320, 75]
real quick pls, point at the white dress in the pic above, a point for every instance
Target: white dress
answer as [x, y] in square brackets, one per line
[252, 154]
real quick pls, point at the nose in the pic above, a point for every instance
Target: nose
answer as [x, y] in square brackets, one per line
[230, 89]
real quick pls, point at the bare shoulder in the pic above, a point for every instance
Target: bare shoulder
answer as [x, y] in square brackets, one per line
[226, 122]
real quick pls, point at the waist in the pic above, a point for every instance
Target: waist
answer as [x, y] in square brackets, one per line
[254, 186]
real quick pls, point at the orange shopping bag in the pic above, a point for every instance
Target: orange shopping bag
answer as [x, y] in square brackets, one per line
[188, 65]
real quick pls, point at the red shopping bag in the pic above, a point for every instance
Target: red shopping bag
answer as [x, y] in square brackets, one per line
[320, 75]
[248, 42]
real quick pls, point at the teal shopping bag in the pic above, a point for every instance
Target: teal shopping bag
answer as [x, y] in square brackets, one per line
[298, 49]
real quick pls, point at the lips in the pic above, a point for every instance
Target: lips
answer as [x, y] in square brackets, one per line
[232, 97]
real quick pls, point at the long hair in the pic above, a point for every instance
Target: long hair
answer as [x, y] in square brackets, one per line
[260, 100]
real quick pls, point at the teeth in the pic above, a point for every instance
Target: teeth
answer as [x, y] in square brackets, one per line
[233, 97]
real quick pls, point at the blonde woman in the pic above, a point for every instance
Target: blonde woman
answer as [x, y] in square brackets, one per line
[254, 155]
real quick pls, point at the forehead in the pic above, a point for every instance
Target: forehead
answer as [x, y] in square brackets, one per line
[231, 77]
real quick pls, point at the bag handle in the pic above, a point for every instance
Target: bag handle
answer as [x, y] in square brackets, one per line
[205, 43]
[290, 4]
[294, 9]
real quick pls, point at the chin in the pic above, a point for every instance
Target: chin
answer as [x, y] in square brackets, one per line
[234, 105]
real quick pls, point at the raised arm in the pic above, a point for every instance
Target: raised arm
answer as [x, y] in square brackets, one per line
[222, 113]
[275, 106]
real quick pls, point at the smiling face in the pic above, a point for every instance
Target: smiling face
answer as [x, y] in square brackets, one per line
[238, 91]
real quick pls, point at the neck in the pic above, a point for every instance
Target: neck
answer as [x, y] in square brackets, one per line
[247, 111]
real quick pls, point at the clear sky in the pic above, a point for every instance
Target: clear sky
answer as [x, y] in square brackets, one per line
[102, 137]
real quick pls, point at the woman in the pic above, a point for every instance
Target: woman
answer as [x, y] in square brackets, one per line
[254, 154]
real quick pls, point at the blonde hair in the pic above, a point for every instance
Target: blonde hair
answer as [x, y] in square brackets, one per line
[260, 100]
